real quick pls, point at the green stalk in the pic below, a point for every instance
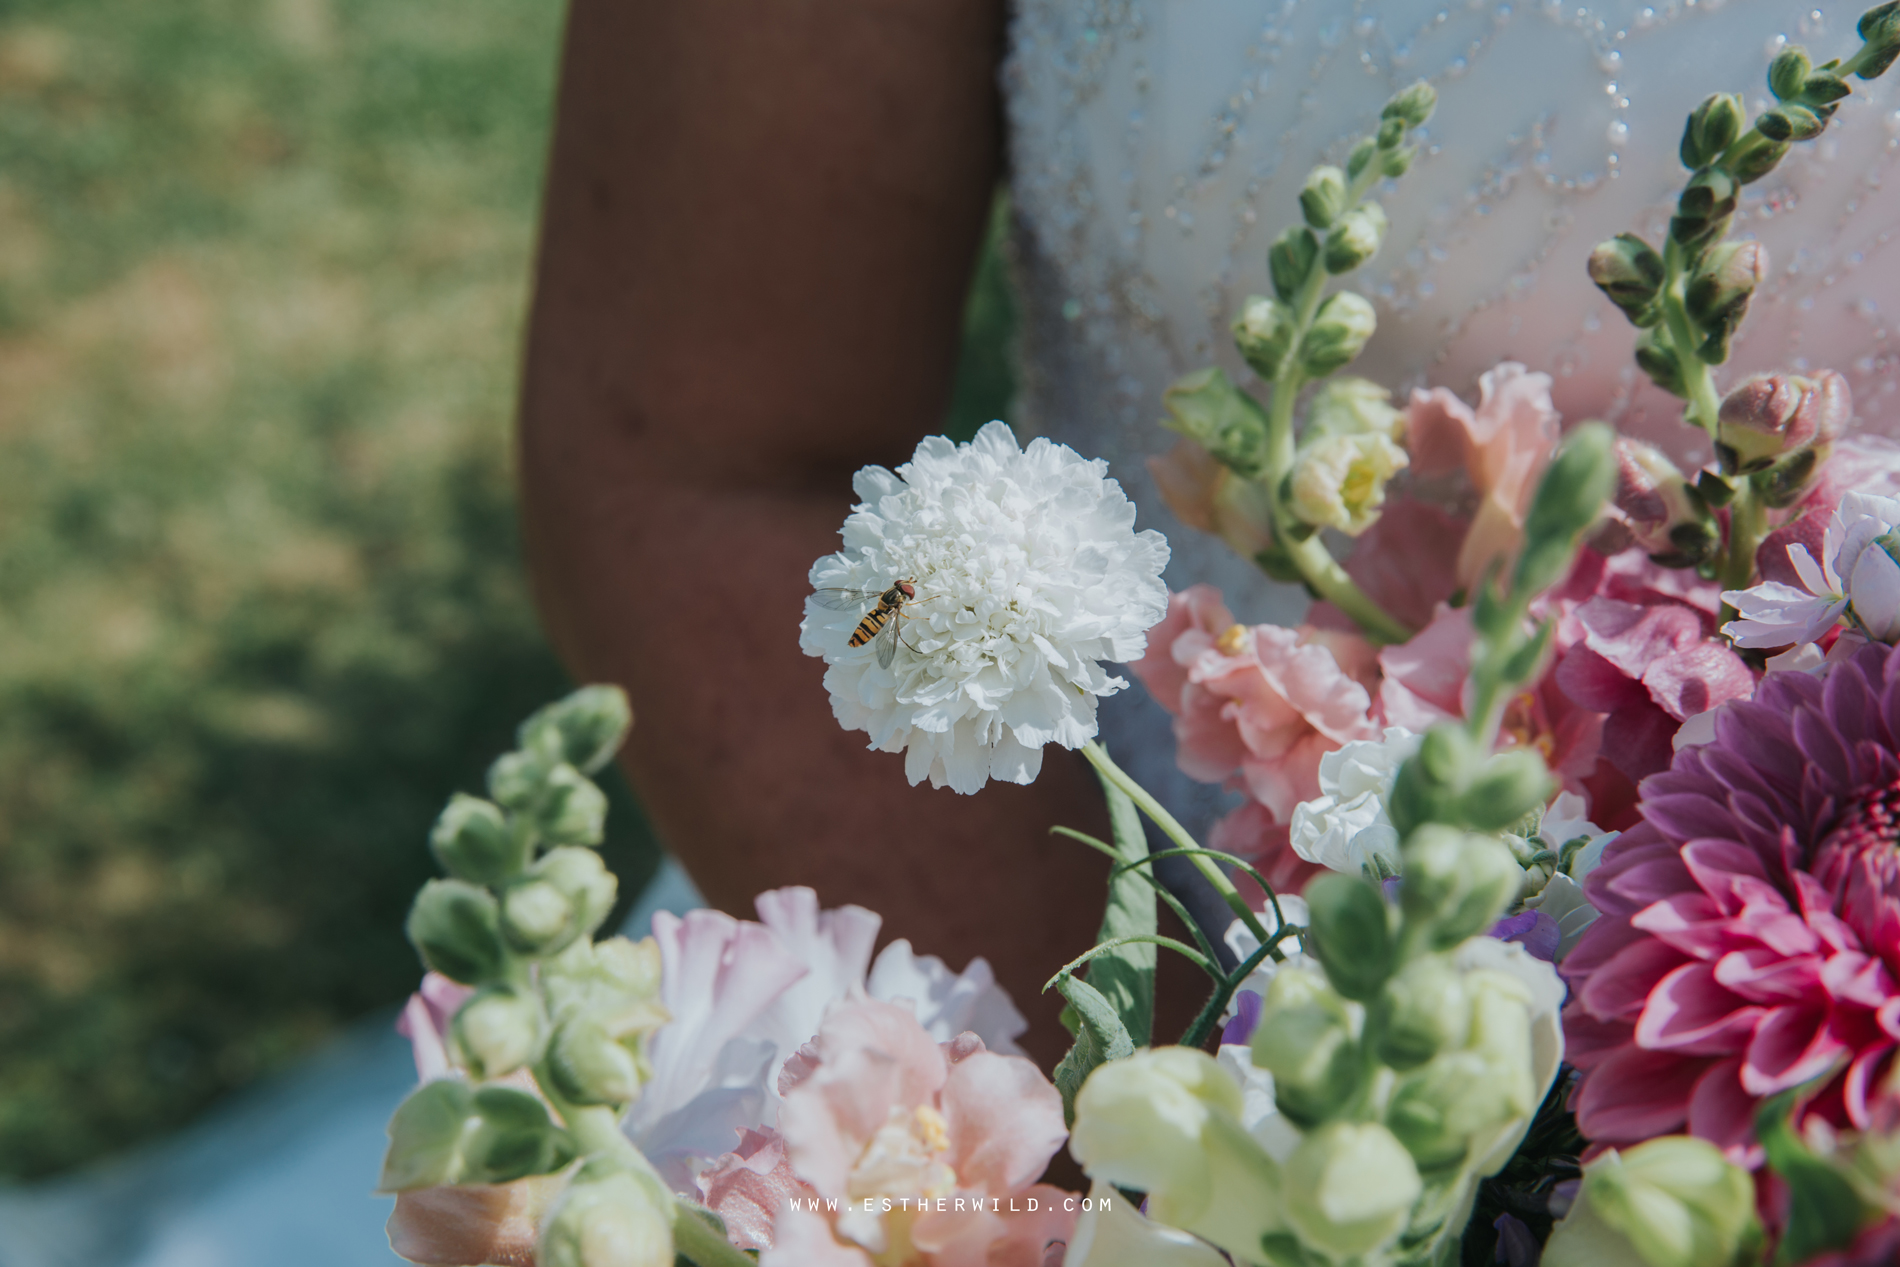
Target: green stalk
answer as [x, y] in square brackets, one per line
[1698, 383]
[1747, 525]
[1106, 767]
[695, 1240]
[1320, 569]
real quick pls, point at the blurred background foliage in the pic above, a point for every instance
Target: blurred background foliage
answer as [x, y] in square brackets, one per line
[263, 268]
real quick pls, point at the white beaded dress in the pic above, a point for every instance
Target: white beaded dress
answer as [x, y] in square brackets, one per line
[1158, 146]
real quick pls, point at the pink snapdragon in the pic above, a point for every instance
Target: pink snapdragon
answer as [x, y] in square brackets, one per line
[1260, 705]
[1503, 446]
[923, 1153]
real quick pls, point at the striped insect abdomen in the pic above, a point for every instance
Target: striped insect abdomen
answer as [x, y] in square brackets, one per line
[873, 621]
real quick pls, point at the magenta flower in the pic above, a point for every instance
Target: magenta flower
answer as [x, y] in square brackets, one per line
[1750, 931]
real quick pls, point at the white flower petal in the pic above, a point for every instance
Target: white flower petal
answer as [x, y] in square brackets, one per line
[1028, 573]
[1875, 586]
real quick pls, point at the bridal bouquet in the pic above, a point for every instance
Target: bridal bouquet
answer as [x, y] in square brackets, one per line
[1564, 880]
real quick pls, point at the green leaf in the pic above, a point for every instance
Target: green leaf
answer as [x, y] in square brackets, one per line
[1101, 1039]
[1824, 1211]
[1125, 976]
[425, 1136]
[515, 1138]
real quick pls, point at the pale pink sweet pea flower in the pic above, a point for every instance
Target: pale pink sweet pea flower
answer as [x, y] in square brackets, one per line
[1502, 445]
[952, 1134]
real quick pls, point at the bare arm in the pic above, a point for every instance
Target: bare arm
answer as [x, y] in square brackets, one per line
[760, 224]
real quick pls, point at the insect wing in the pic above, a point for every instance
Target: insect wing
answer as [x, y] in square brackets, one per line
[887, 640]
[844, 600]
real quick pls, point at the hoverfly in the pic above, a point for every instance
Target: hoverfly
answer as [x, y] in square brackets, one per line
[884, 622]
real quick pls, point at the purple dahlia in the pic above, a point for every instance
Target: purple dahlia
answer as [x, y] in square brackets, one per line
[1750, 938]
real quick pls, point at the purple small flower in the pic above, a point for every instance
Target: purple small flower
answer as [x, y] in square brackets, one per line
[1246, 1017]
[1517, 1247]
[1535, 931]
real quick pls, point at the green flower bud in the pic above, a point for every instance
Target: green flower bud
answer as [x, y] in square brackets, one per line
[1755, 161]
[1350, 934]
[1712, 128]
[1674, 1201]
[1822, 90]
[589, 1066]
[497, 1032]
[1790, 122]
[1208, 409]
[456, 927]
[1788, 73]
[1880, 27]
[1505, 789]
[1324, 197]
[536, 918]
[1456, 884]
[1630, 273]
[1570, 497]
[1356, 238]
[1791, 479]
[1427, 786]
[1339, 332]
[584, 880]
[472, 841]
[514, 1139]
[614, 982]
[517, 779]
[607, 1218]
[425, 1136]
[1350, 1187]
[1263, 332]
[1414, 104]
[1306, 1039]
[1290, 259]
[1362, 154]
[1657, 358]
[1704, 208]
[1724, 277]
[1391, 132]
[573, 810]
[587, 727]
[1455, 1109]
[1397, 162]
[1353, 406]
[1338, 481]
[1425, 1012]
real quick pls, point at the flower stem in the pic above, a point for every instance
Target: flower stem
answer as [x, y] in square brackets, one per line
[697, 1241]
[1099, 758]
[1747, 525]
[1698, 384]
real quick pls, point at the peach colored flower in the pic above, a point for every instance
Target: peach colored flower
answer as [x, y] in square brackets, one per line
[1208, 497]
[1503, 446]
[473, 1223]
[951, 1137]
[1257, 705]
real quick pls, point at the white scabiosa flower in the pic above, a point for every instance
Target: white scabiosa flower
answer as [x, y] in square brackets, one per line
[1027, 573]
[1348, 827]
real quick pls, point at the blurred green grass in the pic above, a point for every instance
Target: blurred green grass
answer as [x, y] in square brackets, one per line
[263, 267]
